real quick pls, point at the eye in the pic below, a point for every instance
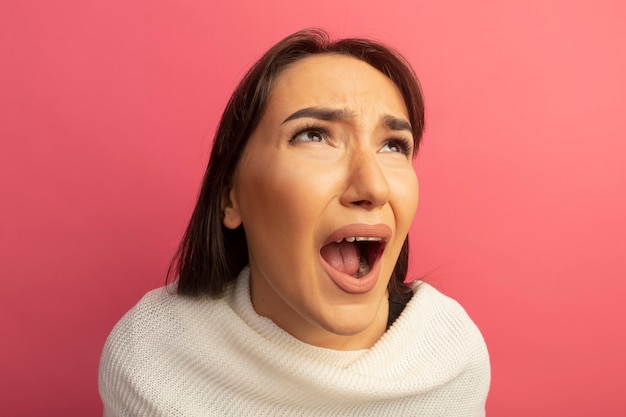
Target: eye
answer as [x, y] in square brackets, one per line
[310, 135]
[399, 145]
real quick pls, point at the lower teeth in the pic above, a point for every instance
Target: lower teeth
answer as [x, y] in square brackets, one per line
[364, 267]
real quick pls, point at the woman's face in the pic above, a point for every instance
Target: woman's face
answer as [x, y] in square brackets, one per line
[326, 193]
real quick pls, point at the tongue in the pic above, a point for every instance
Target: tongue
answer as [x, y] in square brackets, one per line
[343, 256]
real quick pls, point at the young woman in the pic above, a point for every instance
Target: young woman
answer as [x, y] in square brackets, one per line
[290, 297]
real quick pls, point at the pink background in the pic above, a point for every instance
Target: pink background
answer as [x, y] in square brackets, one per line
[107, 110]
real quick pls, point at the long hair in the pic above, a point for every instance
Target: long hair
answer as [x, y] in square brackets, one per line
[211, 255]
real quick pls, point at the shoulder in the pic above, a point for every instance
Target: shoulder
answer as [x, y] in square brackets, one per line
[155, 332]
[442, 323]
[437, 306]
[159, 320]
[441, 331]
[442, 315]
[455, 330]
[150, 318]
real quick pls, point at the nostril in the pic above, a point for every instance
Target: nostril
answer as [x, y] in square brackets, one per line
[366, 204]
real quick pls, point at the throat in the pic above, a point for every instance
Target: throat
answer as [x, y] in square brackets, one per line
[364, 266]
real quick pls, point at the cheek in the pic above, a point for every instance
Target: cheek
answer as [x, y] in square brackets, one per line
[259, 198]
[405, 190]
[274, 199]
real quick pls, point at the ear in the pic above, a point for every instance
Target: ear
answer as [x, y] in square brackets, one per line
[231, 218]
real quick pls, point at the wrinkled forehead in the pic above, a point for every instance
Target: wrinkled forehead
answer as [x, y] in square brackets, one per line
[340, 81]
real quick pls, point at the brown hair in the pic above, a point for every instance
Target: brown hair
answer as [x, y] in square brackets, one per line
[211, 255]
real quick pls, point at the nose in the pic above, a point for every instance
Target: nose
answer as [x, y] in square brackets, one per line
[366, 183]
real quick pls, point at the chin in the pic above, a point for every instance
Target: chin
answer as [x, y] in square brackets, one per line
[354, 320]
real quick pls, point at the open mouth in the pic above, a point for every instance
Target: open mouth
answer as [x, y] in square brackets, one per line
[353, 255]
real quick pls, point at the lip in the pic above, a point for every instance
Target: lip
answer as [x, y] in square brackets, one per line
[363, 230]
[367, 282]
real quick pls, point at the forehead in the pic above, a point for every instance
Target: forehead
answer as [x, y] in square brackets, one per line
[336, 80]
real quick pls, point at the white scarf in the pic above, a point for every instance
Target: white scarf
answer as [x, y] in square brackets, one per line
[178, 356]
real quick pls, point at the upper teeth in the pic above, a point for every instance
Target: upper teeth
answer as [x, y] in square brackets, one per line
[361, 239]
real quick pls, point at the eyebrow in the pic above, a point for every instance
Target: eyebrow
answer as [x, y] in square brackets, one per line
[326, 114]
[320, 114]
[395, 123]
